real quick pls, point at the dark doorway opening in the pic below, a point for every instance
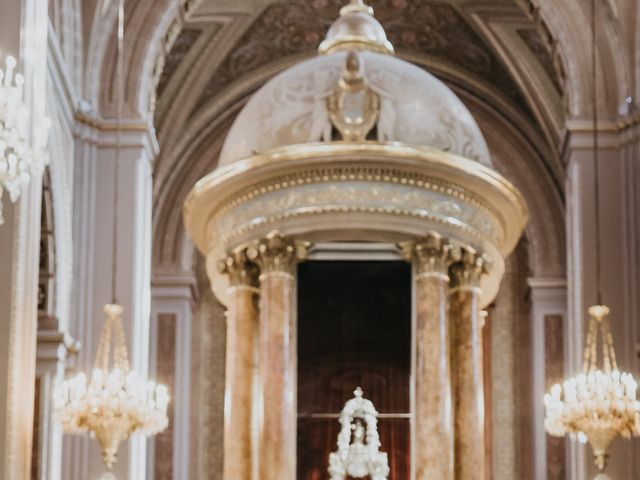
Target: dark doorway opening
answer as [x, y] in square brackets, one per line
[354, 329]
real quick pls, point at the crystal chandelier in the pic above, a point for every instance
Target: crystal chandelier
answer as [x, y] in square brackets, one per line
[599, 404]
[20, 159]
[115, 401]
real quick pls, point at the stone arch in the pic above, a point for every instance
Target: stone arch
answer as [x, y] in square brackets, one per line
[569, 22]
[147, 23]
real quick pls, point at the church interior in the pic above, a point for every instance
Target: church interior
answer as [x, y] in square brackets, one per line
[319, 239]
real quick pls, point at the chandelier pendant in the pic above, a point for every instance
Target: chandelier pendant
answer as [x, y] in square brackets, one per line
[600, 404]
[115, 402]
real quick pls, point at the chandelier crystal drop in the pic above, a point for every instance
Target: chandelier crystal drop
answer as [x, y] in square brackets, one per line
[114, 402]
[599, 404]
[21, 154]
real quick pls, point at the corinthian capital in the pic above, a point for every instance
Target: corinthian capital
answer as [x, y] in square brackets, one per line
[241, 270]
[277, 253]
[468, 267]
[430, 254]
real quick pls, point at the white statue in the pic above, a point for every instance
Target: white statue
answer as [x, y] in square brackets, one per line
[358, 454]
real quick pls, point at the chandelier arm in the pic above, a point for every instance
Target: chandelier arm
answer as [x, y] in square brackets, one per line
[104, 346]
[586, 356]
[608, 339]
[120, 355]
[590, 351]
[594, 348]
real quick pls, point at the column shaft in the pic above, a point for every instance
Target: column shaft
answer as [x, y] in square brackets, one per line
[242, 325]
[278, 374]
[277, 256]
[433, 420]
[467, 372]
[433, 424]
[241, 352]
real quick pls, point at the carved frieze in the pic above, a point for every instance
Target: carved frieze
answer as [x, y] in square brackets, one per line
[366, 190]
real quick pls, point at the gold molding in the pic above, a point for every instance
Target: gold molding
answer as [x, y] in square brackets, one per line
[422, 167]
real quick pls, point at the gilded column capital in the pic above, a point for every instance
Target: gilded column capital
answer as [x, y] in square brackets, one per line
[277, 253]
[430, 254]
[468, 267]
[242, 271]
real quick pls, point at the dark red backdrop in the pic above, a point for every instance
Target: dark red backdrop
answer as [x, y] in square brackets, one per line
[354, 330]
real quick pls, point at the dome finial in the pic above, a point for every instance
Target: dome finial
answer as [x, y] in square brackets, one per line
[356, 6]
[356, 29]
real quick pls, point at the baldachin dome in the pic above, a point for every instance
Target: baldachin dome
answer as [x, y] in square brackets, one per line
[415, 108]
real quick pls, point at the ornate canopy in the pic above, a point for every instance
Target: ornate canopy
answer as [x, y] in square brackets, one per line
[355, 145]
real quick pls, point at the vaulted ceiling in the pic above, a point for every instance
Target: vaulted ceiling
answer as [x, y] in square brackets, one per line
[265, 33]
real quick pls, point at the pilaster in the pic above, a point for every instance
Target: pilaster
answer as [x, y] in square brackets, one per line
[23, 27]
[93, 231]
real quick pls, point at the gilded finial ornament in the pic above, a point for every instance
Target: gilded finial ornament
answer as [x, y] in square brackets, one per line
[356, 29]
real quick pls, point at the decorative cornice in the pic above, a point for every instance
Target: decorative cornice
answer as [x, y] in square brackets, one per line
[468, 267]
[241, 269]
[430, 254]
[277, 253]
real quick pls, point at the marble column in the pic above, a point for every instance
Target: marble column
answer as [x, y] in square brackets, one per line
[433, 424]
[277, 256]
[242, 333]
[466, 365]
